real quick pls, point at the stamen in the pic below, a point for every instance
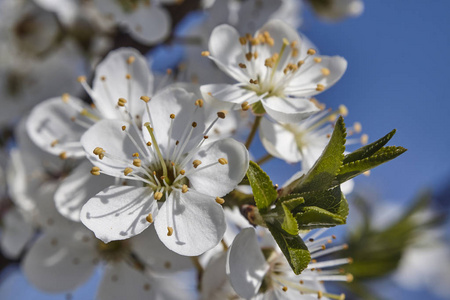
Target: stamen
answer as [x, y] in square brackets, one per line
[121, 102]
[196, 163]
[325, 71]
[364, 139]
[146, 99]
[95, 171]
[184, 189]
[223, 161]
[158, 151]
[137, 162]
[63, 155]
[220, 200]
[127, 171]
[169, 231]
[320, 87]
[157, 195]
[149, 218]
[206, 53]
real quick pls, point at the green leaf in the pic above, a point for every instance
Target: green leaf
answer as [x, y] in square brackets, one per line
[289, 223]
[315, 217]
[355, 168]
[322, 174]
[329, 200]
[293, 248]
[343, 207]
[292, 201]
[369, 149]
[262, 187]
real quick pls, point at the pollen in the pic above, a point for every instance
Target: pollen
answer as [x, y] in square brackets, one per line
[245, 106]
[149, 218]
[136, 162]
[220, 200]
[364, 139]
[242, 40]
[127, 171]
[320, 87]
[149, 144]
[325, 71]
[169, 231]
[121, 102]
[124, 127]
[63, 155]
[81, 79]
[311, 51]
[53, 144]
[128, 76]
[206, 53]
[95, 171]
[103, 78]
[172, 116]
[221, 114]
[343, 110]
[135, 154]
[249, 56]
[182, 172]
[199, 102]
[223, 161]
[158, 195]
[242, 66]
[196, 163]
[184, 189]
[357, 127]
[131, 60]
[285, 289]
[319, 294]
[65, 97]
[317, 59]
[145, 98]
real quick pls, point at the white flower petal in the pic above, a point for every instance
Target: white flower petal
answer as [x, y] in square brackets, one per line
[289, 110]
[120, 281]
[152, 251]
[77, 188]
[119, 212]
[16, 233]
[229, 93]
[246, 265]
[148, 24]
[108, 134]
[219, 180]
[58, 263]
[198, 223]
[50, 121]
[215, 283]
[278, 141]
[114, 69]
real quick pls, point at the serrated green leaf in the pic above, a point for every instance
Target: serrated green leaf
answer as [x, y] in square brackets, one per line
[315, 217]
[289, 223]
[343, 207]
[293, 248]
[355, 168]
[322, 174]
[329, 200]
[292, 201]
[262, 186]
[369, 149]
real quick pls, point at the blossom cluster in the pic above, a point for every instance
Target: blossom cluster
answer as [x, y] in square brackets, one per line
[143, 175]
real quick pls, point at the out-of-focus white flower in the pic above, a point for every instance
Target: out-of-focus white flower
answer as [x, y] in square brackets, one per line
[183, 176]
[61, 261]
[66, 10]
[336, 10]
[253, 270]
[275, 69]
[146, 20]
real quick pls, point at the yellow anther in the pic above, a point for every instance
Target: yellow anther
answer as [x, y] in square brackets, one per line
[317, 59]
[320, 87]
[249, 56]
[245, 106]
[349, 278]
[221, 114]
[65, 97]
[254, 81]
[319, 294]
[205, 137]
[300, 63]
[269, 62]
[97, 150]
[121, 102]
[325, 71]
[285, 41]
[220, 200]
[270, 41]
[206, 53]
[311, 51]
[169, 231]
[242, 66]
[242, 40]
[196, 163]
[184, 188]
[137, 162]
[194, 124]
[323, 247]
[364, 139]
[63, 155]
[84, 112]
[172, 116]
[343, 111]
[128, 76]
[293, 44]
[294, 52]
[157, 195]
[332, 118]
[131, 60]
[182, 172]
[366, 173]
[145, 98]
[149, 218]
[103, 78]
[95, 171]
[124, 127]
[319, 105]
[53, 144]
[255, 54]
[81, 79]
[223, 161]
[284, 288]
[135, 154]
[357, 127]
[127, 171]
[341, 297]
[199, 102]
[149, 144]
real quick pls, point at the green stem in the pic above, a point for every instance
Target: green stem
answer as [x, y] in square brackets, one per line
[253, 131]
[264, 159]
